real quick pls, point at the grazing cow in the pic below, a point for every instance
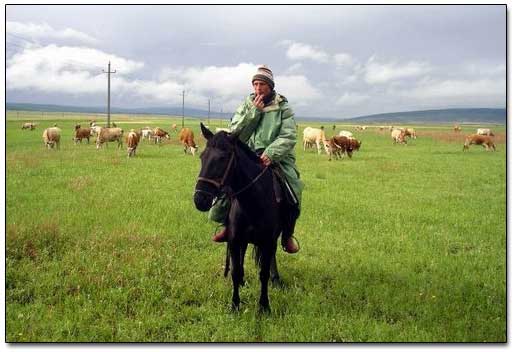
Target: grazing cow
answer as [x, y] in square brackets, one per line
[132, 142]
[340, 145]
[109, 135]
[346, 134]
[485, 132]
[51, 137]
[314, 135]
[28, 125]
[484, 141]
[81, 133]
[398, 136]
[174, 127]
[456, 128]
[95, 130]
[410, 132]
[186, 137]
[159, 134]
[147, 133]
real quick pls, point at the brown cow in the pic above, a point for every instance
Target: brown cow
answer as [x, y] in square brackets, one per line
[186, 136]
[109, 135]
[159, 133]
[81, 133]
[132, 141]
[484, 141]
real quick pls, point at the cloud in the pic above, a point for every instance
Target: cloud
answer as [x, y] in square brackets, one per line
[343, 59]
[64, 69]
[379, 72]
[301, 51]
[297, 89]
[352, 99]
[45, 31]
[459, 90]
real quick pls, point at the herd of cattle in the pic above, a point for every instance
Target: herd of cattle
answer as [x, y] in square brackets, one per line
[103, 135]
[344, 143]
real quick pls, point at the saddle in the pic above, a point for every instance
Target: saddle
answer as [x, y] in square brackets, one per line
[284, 192]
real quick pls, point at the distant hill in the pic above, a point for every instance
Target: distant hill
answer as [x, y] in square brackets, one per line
[470, 115]
[114, 110]
[478, 115]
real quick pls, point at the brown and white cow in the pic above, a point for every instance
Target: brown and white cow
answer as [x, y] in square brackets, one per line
[340, 145]
[187, 138]
[398, 136]
[456, 128]
[81, 133]
[410, 132]
[484, 141]
[159, 134]
[52, 137]
[132, 142]
[107, 134]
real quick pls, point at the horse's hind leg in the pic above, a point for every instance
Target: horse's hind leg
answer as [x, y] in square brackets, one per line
[275, 277]
[244, 246]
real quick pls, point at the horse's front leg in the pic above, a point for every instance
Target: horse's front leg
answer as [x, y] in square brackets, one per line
[264, 276]
[235, 255]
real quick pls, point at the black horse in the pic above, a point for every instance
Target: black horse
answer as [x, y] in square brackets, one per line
[257, 214]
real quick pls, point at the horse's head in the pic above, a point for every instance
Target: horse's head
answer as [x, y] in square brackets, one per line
[217, 161]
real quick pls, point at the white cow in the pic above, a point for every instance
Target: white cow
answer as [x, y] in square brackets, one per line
[485, 132]
[147, 133]
[314, 135]
[346, 134]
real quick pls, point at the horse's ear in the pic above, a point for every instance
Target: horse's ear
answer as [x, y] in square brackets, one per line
[206, 132]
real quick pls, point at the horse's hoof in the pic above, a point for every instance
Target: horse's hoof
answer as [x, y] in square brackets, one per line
[264, 309]
[278, 283]
[234, 308]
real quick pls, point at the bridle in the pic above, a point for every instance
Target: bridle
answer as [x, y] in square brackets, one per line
[220, 185]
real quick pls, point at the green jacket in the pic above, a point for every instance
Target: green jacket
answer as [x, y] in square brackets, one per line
[274, 130]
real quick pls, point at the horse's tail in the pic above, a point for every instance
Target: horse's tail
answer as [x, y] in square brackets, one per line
[227, 262]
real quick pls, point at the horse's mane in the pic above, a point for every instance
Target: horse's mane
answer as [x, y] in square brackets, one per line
[222, 141]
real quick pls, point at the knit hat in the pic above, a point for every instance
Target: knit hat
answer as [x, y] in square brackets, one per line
[264, 74]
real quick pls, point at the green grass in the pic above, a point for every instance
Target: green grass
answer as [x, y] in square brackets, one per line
[401, 243]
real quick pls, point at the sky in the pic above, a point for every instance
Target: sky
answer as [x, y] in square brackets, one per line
[329, 61]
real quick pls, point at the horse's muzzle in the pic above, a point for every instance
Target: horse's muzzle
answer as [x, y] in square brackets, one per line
[203, 200]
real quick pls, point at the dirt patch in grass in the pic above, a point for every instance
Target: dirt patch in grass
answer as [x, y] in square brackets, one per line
[456, 137]
[79, 183]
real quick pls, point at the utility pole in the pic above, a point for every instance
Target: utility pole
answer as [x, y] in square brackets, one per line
[109, 93]
[183, 94]
[209, 113]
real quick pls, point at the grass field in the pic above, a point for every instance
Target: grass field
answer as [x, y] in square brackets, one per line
[401, 243]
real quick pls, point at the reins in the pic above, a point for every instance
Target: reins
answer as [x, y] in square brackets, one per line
[220, 184]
